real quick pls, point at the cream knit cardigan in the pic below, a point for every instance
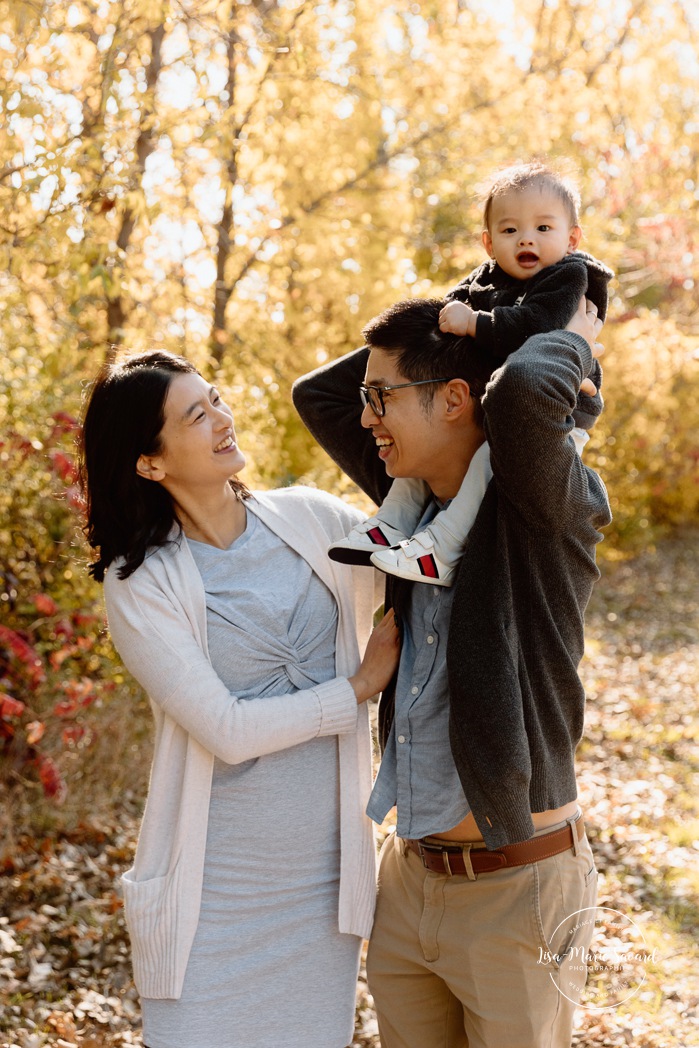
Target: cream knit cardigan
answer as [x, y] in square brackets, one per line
[157, 619]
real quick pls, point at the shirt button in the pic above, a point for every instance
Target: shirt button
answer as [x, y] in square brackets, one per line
[430, 639]
[414, 690]
[401, 738]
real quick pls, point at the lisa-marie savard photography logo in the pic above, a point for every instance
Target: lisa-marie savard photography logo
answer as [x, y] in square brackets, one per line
[602, 958]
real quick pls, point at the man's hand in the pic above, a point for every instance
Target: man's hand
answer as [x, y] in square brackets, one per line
[458, 319]
[585, 322]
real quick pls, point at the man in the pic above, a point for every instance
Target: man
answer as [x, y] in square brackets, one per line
[475, 939]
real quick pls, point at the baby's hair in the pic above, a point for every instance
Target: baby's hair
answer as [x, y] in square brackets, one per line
[553, 176]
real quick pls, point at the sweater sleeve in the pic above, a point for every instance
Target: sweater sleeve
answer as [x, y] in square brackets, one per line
[528, 408]
[158, 646]
[328, 402]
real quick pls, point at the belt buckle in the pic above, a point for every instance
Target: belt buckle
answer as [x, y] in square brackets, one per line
[434, 849]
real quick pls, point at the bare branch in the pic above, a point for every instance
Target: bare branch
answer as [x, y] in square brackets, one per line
[272, 61]
[7, 172]
[381, 160]
[616, 44]
[145, 144]
[223, 291]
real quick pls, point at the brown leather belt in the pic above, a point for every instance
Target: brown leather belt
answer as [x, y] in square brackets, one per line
[453, 858]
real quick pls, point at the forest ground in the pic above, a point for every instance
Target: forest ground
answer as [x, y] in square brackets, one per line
[64, 970]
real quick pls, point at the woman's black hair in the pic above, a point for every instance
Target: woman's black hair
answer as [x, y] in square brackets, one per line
[126, 515]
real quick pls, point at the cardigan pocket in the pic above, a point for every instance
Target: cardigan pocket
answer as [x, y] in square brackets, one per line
[156, 920]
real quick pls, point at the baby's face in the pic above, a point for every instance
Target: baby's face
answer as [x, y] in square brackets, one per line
[530, 229]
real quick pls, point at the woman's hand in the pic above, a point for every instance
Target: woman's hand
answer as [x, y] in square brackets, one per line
[380, 659]
[586, 323]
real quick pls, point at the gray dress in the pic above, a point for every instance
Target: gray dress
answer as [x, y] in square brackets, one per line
[268, 967]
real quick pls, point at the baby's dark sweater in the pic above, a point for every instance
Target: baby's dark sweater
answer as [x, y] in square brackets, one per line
[513, 310]
[510, 310]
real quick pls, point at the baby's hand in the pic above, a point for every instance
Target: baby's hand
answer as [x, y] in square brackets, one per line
[457, 318]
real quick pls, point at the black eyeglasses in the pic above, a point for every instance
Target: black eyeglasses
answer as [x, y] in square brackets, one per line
[373, 395]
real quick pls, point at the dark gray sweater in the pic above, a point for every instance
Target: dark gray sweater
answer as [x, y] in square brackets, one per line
[516, 632]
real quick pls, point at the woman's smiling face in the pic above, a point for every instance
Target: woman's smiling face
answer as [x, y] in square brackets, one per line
[197, 441]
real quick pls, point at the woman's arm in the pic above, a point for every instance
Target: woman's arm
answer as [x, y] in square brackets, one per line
[158, 646]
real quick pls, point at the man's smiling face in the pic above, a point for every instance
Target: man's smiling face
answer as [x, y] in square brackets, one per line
[407, 440]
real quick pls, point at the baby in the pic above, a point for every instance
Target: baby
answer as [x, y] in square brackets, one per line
[533, 283]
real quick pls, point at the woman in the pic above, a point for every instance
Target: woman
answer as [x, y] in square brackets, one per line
[244, 912]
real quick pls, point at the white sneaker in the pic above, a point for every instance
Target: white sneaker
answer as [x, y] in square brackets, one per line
[363, 540]
[415, 559]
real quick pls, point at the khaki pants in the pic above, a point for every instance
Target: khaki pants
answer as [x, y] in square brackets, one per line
[459, 963]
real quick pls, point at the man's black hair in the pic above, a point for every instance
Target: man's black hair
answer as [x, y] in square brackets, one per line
[409, 331]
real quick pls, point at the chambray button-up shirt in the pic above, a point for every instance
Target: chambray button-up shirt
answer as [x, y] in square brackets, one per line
[417, 769]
